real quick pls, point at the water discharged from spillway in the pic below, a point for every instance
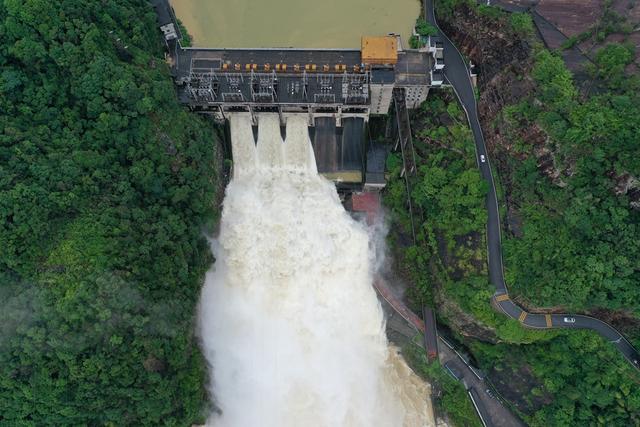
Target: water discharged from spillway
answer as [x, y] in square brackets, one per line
[289, 320]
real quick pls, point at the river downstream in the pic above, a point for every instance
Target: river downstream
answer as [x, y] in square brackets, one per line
[294, 23]
[289, 319]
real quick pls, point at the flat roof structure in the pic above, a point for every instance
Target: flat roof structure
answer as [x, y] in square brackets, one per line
[412, 69]
[379, 50]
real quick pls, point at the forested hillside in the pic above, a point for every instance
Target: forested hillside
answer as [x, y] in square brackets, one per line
[580, 237]
[106, 187]
[565, 162]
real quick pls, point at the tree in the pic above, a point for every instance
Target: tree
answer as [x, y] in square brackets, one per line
[106, 184]
[611, 61]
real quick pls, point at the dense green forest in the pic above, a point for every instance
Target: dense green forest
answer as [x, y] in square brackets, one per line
[576, 245]
[580, 240]
[106, 186]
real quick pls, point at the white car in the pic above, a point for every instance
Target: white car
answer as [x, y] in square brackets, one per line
[569, 320]
[482, 159]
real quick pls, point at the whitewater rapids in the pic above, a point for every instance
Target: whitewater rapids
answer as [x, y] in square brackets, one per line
[288, 318]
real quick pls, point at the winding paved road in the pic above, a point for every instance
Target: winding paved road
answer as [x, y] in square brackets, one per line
[457, 73]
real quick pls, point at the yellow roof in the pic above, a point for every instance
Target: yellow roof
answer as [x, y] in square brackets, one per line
[379, 50]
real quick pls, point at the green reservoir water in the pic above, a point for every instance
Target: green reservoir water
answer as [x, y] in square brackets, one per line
[294, 23]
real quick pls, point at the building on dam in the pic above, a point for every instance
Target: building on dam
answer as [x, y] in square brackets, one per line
[337, 89]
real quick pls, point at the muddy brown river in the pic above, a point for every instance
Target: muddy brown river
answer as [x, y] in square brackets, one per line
[294, 23]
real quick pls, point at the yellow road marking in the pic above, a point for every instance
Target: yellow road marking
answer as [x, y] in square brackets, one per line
[523, 315]
[547, 317]
[502, 297]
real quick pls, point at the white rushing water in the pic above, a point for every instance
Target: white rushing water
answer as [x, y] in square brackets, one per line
[289, 320]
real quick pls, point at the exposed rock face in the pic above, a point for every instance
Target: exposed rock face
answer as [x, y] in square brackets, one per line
[544, 154]
[463, 322]
[517, 386]
[629, 185]
[504, 65]
[486, 44]
[572, 17]
[619, 319]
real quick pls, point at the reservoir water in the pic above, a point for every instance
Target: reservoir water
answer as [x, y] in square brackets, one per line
[294, 23]
[288, 317]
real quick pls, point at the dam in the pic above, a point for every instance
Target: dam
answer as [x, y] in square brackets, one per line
[335, 90]
[293, 271]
